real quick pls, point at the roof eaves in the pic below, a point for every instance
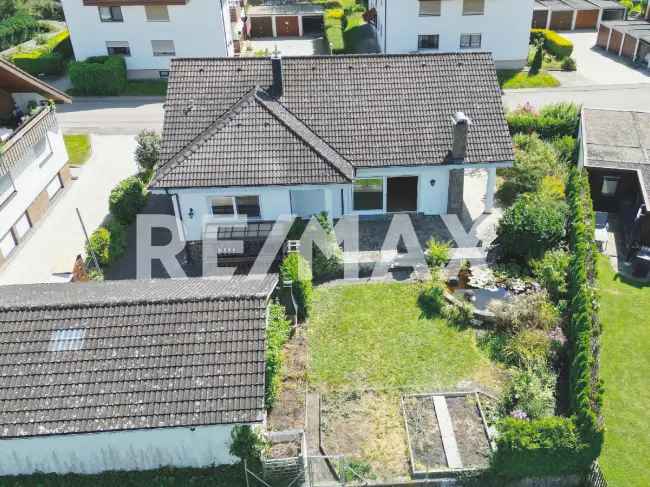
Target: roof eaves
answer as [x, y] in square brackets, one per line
[39, 86]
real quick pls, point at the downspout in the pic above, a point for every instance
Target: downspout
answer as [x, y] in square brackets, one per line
[223, 19]
[385, 26]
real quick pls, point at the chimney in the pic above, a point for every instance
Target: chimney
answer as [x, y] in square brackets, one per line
[276, 66]
[461, 126]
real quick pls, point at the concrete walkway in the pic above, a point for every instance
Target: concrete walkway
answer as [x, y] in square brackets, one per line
[318, 471]
[51, 250]
[287, 46]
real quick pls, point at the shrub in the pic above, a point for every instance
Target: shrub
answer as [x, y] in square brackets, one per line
[530, 227]
[552, 187]
[100, 75]
[438, 253]
[247, 444]
[551, 272]
[554, 43]
[568, 64]
[536, 65]
[554, 120]
[108, 243]
[432, 298]
[17, 29]
[531, 391]
[147, 152]
[526, 349]
[544, 447]
[46, 9]
[534, 160]
[324, 267]
[458, 315]
[526, 312]
[127, 199]
[49, 58]
[277, 334]
[296, 269]
[566, 148]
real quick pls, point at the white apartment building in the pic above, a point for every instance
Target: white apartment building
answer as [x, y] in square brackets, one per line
[498, 26]
[33, 159]
[148, 33]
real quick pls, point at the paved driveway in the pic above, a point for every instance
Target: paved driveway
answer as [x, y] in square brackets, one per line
[288, 46]
[597, 66]
[55, 243]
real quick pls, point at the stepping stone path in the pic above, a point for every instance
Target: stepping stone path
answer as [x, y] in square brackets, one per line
[447, 432]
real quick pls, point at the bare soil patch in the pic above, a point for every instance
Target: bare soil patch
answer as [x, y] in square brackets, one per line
[470, 434]
[424, 433]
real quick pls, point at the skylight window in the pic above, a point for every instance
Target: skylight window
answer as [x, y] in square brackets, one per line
[66, 340]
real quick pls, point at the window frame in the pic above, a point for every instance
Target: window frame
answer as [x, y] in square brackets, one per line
[420, 4]
[437, 39]
[6, 196]
[10, 234]
[470, 36]
[234, 204]
[127, 47]
[466, 12]
[604, 188]
[382, 208]
[163, 53]
[111, 10]
[146, 15]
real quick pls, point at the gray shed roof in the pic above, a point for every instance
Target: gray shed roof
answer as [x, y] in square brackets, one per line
[626, 148]
[121, 355]
[581, 4]
[336, 114]
[607, 4]
[285, 9]
[555, 5]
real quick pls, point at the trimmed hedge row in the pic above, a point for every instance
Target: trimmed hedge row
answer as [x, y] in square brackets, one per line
[552, 121]
[17, 29]
[296, 269]
[558, 45]
[99, 75]
[47, 59]
[277, 334]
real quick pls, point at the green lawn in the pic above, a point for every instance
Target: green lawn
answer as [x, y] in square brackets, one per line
[146, 87]
[78, 147]
[625, 368]
[374, 336]
[509, 79]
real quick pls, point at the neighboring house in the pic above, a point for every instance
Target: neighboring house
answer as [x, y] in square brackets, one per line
[129, 375]
[362, 135]
[150, 33]
[33, 158]
[618, 163]
[498, 26]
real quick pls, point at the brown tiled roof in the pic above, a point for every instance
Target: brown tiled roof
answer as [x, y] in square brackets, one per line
[369, 110]
[123, 355]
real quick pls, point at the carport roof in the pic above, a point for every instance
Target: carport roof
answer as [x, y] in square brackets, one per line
[636, 28]
[627, 148]
[124, 355]
[285, 9]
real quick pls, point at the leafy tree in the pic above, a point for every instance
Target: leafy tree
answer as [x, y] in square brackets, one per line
[536, 65]
[127, 199]
[147, 153]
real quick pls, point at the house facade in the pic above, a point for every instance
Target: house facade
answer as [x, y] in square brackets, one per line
[130, 375]
[150, 33]
[33, 159]
[497, 26]
[347, 135]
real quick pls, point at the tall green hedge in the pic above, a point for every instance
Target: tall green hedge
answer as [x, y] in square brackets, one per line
[552, 121]
[17, 29]
[127, 199]
[558, 45]
[277, 334]
[295, 268]
[100, 75]
[47, 59]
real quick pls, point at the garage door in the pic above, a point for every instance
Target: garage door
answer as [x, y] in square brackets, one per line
[586, 19]
[613, 14]
[54, 187]
[312, 24]
[562, 20]
[287, 26]
[603, 37]
[261, 27]
[629, 47]
[540, 18]
[615, 41]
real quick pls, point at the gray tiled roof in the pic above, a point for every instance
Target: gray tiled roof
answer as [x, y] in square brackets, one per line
[369, 110]
[626, 148]
[138, 355]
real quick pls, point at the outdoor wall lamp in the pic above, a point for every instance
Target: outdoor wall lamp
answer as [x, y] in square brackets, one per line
[432, 183]
[191, 213]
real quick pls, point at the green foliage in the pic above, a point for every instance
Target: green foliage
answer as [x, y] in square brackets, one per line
[554, 120]
[534, 224]
[543, 447]
[438, 253]
[538, 59]
[534, 160]
[247, 444]
[460, 315]
[531, 391]
[46, 9]
[531, 311]
[17, 29]
[558, 45]
[48, 58]
[333, 20]
[566, 148]
[529, 348]
[147, 152]
[324, 267]
[277, 334]
[127, 199]
[516, 79]
[551, 272]
[108, 243]
[100, 75]
[569, 64]
[432, 299]
[358, 470]
[296, 269]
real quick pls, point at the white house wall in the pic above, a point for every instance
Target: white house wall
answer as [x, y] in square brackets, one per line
[196, 28]
[32, 180]
[123, 450]
[504, 27]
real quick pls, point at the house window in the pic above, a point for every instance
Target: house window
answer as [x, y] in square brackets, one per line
[368, 194]
[236, 206]
[7, 188]
[118, 48]
[164, 74]
[473, 7]
[430, 8]
[7, 244]
[610, 185]
[110, 14]
[53, 187]
[428, 41]
[163, 48]
[470, 41]
[22, 226]
[156, 13]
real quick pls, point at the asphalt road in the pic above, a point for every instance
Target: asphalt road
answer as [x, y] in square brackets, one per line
[129, 115]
